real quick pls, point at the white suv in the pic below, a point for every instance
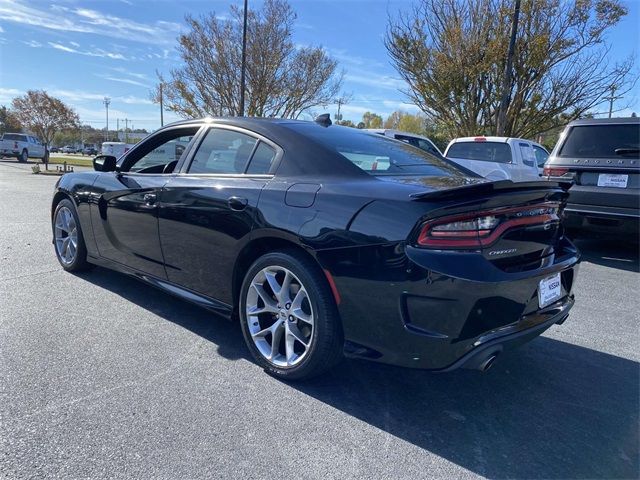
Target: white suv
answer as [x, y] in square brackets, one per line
[22, 147]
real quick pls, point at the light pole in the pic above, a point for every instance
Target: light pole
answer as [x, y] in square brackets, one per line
[244, 60]
[107, 101]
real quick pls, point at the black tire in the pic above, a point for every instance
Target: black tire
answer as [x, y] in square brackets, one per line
[24, 156]
[327, 340]
[80, 262]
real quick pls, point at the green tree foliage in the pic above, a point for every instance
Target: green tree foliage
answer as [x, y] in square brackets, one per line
[452, 54]
[43, 114]
[282, 80]
[371, 120]
[8, 121]
[406, 122]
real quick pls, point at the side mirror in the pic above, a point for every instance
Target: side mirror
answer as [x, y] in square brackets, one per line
[104, 163]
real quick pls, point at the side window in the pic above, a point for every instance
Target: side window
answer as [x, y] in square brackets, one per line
[528, 157]
[262, 159]
[160, 153]
[541, 155]
[223, 151]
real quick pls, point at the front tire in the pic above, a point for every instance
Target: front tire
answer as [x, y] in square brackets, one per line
[68, 240]
[289, 318]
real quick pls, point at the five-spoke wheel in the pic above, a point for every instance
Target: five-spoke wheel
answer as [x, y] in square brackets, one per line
[67, 237]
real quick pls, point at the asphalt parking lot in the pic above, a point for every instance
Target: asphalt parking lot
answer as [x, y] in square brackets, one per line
[102, 376]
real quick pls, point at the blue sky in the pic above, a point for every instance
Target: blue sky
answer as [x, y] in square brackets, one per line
[82, 51]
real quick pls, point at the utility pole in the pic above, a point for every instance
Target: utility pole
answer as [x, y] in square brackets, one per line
[501, 123]
[126, 130]
[244, 60]
[612, 98]
[118, 128]
[338, 116]
[161, 107]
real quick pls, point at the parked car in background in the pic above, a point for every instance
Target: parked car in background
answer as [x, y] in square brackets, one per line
[89, 149]
[116, 149]
[54, 150]
[419, 141]
[22, 146]
[325, 240]
[70, 149]
[602, 157]
[498, 158]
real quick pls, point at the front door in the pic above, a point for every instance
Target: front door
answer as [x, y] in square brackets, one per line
[208, 210]
[125, 210]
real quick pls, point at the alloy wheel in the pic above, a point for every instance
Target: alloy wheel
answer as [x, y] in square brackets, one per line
[66, 235]
[280, 316]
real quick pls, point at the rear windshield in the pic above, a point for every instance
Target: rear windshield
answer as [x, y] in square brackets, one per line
[15, 137]
[602, 141]
[481, 151]
[379, 155]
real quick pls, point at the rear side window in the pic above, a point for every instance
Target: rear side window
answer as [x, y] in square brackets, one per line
[262, 159]
[223, 151]
[481, 151]
[420, 143]
[602, 141]
[528, 157]
[377, 154]
[15, 137]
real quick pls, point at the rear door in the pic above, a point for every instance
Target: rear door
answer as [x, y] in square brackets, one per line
[125, 213]
[207, 211]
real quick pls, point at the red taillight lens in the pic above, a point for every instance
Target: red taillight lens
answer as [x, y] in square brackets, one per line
[482, 228]
[554, 171]
[15, 144]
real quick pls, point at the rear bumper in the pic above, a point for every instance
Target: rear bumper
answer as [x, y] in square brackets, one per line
[402, 311]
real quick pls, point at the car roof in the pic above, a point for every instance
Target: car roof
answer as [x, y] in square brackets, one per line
[604, 121]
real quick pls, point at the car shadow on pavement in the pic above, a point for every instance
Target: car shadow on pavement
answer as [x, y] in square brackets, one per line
[208, 325]
[621, 253]
[549, 409]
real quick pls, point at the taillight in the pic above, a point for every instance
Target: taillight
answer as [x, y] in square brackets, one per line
[554, 171]
[15, 144]
[480, 229]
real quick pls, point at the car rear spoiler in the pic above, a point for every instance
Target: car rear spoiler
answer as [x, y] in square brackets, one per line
[501, 186]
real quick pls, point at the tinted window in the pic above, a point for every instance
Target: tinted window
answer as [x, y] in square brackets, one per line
[378, 155]
[541, 155]
[262, 159]
[598, 141]
[481, 151]
[223, 151]
[14, 136]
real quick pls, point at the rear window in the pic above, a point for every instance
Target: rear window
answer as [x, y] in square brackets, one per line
[602, 141]
[481, 151]
[15, 137]
[379, 155]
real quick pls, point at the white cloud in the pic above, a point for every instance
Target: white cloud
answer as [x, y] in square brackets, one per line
[128, 81]
[85, 20]
[32, 43]
[91, 53]
[375, 80]
[1, 29]
[8, 94]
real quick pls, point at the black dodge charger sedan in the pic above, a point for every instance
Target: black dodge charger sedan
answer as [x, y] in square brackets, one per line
[325, 241]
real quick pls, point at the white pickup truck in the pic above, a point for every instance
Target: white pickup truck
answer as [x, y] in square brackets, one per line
[22, 146]
[499, 158]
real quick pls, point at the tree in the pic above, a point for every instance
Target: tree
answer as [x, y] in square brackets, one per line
[371, 120]
[44, 115]
[8, 121]
[406, 122]
[282, 80]
[453, 54]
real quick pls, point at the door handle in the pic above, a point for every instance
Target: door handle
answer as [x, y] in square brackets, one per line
[150, 198]
[237, 203]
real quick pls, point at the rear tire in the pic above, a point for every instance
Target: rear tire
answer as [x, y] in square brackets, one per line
[68, 240]
[285, 297]
[24, 156]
